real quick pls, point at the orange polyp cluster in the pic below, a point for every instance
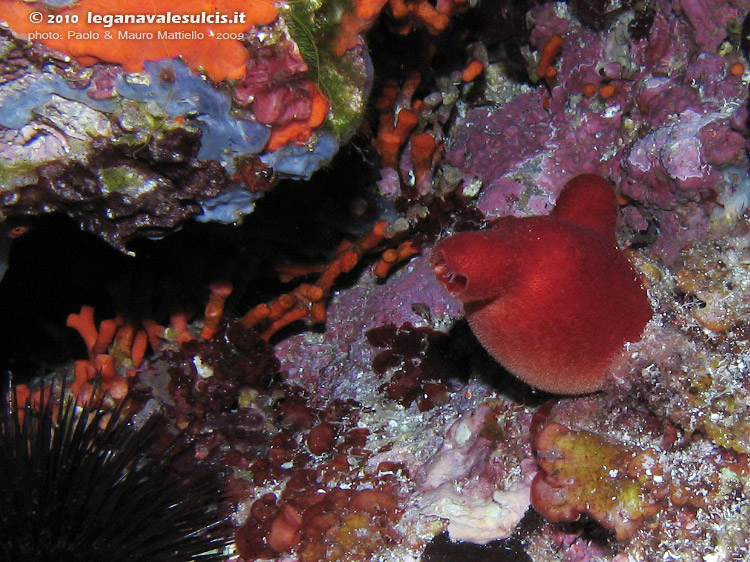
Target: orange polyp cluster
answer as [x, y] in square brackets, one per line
[392, 256]
[356, 22]
[407, 15]
[220, 290]
[472, 71]
[87, 41]
[588, 90]
[308, 300]
[127, 347]
[423, 149]
[394, 128]
[432, 16]
[737, 69]
[550, 51]
[607, 91]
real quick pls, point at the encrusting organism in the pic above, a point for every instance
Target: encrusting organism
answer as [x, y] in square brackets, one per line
[581, 473]
[552, 298]
[155, 41]
[82, 481]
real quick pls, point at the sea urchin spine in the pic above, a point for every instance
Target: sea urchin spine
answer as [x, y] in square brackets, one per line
[79, 482]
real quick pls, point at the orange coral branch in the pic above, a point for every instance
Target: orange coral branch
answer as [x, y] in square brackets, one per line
[391, 257]
[434, 21]
[84, 323]
[385, 104]
[474, 69]
[178, 324]
[83, 371]
[139, 347]
[22, 395]
[423, 148]
[256, 315]
[307, 301]
[390, 140]
[399, 9]
[105, 366]
[155, 332]
[353, 23]
[289, 271]
[550, 51]
[292, 315]
[123, 341]
[107, 330]
[220, 290]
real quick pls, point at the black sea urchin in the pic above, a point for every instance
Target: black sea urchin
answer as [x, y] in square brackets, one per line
[79, 483]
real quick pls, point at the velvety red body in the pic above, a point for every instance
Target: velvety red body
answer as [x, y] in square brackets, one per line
[552, 298]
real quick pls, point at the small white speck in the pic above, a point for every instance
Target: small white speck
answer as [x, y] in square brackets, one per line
[203, 370]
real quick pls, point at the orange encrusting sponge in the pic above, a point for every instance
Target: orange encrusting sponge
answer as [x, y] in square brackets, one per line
[220, 57]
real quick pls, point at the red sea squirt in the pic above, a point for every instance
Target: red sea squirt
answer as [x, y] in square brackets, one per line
[552, 298]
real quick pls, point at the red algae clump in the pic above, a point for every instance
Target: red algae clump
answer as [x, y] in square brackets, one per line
[84, 31]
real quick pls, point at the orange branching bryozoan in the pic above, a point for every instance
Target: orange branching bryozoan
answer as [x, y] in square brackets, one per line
[220, 290]
[472, 71]
[84, 31]
[393, 256]
[551, 49]
[307, 302]
[114, 344]
[423, 148]
[355, 22]
[395, 123]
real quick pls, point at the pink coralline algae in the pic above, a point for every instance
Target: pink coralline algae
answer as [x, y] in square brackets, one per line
[482, 497]
[706, 18]
[656, 151]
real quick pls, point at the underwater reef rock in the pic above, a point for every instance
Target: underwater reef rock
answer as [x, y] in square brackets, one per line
[333, 380]
[662, 115]
[128, 146]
